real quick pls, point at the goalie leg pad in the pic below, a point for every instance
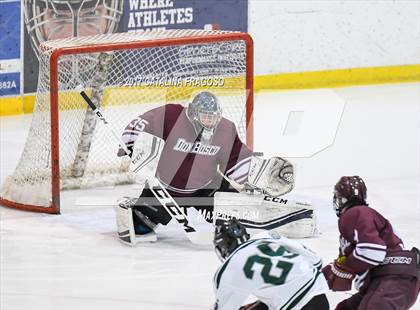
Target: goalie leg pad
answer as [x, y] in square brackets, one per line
[288, 217]
[299, 227]
[126, 219]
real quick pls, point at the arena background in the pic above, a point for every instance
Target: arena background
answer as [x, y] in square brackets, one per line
[298, 44]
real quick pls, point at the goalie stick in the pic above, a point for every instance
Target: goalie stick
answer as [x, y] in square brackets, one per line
[136, 160]
[80, 89]
[89, 122]
[159, 191]
[172, 207]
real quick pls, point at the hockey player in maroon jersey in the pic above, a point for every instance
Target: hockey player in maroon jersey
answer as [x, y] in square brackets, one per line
[198, 142]
[385, 274]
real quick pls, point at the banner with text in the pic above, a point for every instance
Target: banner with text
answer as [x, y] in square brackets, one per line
[185, 14]
[131, 15]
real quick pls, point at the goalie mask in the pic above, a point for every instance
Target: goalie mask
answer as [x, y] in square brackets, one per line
[205, 113]
[57, 19]
[349, 191]
[228, 236]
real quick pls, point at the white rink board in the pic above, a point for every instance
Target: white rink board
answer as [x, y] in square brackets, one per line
[73, 260]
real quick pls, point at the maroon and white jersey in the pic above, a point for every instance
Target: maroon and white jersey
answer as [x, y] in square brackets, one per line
[366, 238]
[187, 164]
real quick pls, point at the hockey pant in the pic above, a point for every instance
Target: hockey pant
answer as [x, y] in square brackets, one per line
[393, 287]
[385, 293]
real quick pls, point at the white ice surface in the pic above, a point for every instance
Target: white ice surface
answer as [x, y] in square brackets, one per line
[73, 260]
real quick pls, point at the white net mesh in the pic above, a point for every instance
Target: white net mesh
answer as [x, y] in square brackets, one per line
[125, 82]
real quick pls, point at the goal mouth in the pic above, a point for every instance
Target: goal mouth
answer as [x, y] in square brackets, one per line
[125, 74]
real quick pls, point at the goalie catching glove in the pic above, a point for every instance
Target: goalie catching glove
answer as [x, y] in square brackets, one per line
[274, 176]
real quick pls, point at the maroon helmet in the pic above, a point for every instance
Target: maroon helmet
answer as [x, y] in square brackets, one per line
[349, 191]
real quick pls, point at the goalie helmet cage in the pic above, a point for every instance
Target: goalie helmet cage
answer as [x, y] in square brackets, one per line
[123, 73]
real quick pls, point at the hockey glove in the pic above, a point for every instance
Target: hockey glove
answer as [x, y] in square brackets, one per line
[338, 278]
[274, 176]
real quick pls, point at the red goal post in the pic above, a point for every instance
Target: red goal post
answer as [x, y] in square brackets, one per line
[65, 146]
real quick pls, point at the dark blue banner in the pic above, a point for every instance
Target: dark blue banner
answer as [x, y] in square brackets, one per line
[9, 84]
[10, 37]
[152, 14]
[185, 14]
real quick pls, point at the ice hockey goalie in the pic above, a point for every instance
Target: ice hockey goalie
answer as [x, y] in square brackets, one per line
[202, 154]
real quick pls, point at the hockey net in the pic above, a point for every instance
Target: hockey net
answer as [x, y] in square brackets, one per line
[125, 74]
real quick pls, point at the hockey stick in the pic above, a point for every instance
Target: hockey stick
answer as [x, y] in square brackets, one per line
[239, 187]
[136, 160]
[172, 207]
[160, 192]
[100, 115]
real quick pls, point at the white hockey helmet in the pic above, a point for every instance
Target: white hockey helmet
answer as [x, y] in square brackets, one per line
[205, 113]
